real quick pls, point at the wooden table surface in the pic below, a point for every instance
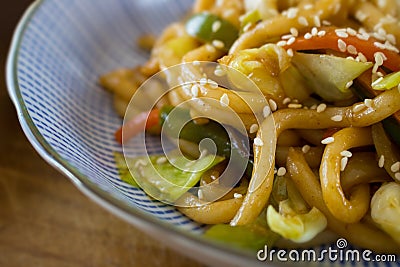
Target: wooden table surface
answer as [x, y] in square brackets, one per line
[44, 220]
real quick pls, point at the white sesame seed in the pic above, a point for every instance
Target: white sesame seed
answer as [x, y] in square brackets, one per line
[195, 90]
[294, 32]
[302, 21]
[358, 107]
[281, 43]
[266, 111]
[291, 40]
[395, 167]
[210, 48]
[321, 33]
[314, 31]
[341, 33]
[376, 81]
[219, 71]
[321, 107]
[305, 149]
[203, 81]
[161, 160]
[343, 163]
[286, 101]
[216, 26]
[349, 84]
[290, 52]
[337, 118]
[313, 107]
[200, 194]
[295, 105]
[258, 141]
[253, 128]
[363, 36]
[328, 140]
[397, 176]
[308, 6]
[292, 12]
[281, 171]
[272, 104]
[224, 100]
[247, 27]
[342, 45]
[346, 153]
[229, 12]
[381, 161]
[368, 102]
[286, 36]
[218, 44]
[237, 195]
[308, 36]
[326, 23]
[352, 49]
[379, 45]
[351, 31]
[361, 16]
[317, 21]
[362, 57]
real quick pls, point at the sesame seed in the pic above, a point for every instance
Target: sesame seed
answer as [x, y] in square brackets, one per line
[253, 128]
[272, 105]
[218, 44]
[295, 105]
[212, 83]
[328, 140]
[281, 43]
[349, 84]
[229, 12]
[314, 31]
[305, 149]
[219, 71]
[258, 141]
[341, 33]
[203, 81]
[281, 171]
[195, 90]
[379, 45]
[216, 26]
[291, 40]
[287, 100]
[343, 163]
[308, 6]
[395, 167]
[200, 194]
[224, 100]
[321, 33]
[346, 153]
[313, 107]
[237, 195]
[302, 21]
[397, 176]
[361, 16]
[292, 12]
[161, 160]
[286, 36]
[247, 27]
[317, 21]
[363, 36]
[210, 48]
[352, 49]
[358, 107]
[381, 161]
[321, 107]
[377, 81]
[362, 57]
[337, 118]
[290, 52]
[266, 111]
[351, 31]
[308, 36]
[326, 23]
[294, 32]
[368, 102]
[342, 45]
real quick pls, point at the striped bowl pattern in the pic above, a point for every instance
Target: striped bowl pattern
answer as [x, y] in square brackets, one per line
[59, 50]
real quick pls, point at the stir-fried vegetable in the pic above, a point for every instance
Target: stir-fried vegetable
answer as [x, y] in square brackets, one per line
[295, 226]
[212, 29]
[329, 76]
[385, 209]
[330, 40]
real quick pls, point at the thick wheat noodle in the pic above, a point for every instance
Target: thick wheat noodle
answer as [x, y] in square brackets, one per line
[373, 16]
[281, 24]
[362, 168]
[347, 210]
[211, 213]
[261, 182]
[359, 234]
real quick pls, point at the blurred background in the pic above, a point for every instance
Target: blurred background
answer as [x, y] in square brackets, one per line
[44, 220]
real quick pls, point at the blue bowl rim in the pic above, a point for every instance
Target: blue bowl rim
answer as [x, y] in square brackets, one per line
[135, 216]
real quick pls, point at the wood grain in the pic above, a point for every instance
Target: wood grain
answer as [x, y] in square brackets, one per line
[44, 220]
